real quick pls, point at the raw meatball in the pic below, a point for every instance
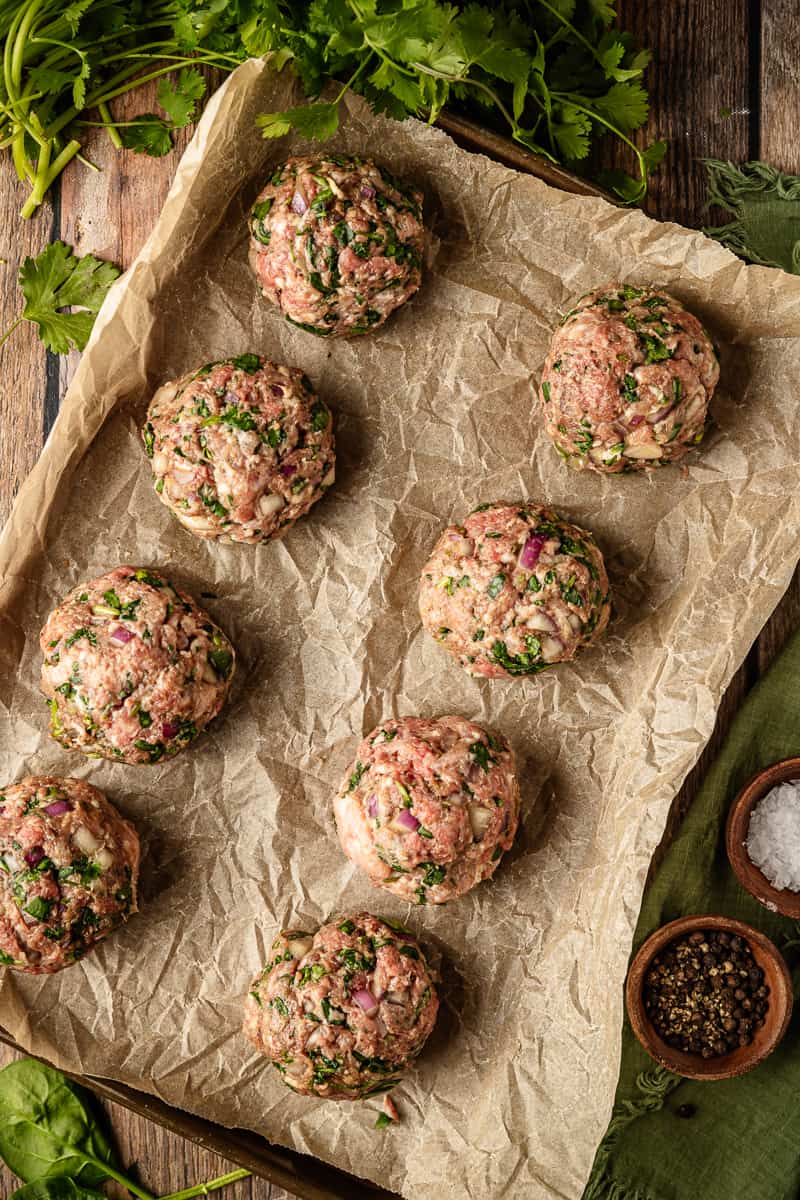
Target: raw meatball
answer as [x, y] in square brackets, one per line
[132, 669]
[68, 872]
[514, 590]
[337, 243]
[240, 448]
[628, 380]
[340, 1013]
[428, 807]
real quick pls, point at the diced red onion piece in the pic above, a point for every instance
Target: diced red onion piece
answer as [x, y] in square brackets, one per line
[276, 389]
[636, 421]
[231, 398]
[269, 504]
[372, 806]
[365, 1001]
[552, 648]
[480, 819]
[644, 450]
[299, 205]
[407, 820]
[58, 807]
[104, 857]
[461, 547]
[288, 470]
[659, 414]
[169, 729]
[531, 551]
[396, 997]
[299, 947]
[368, 192]
[540, 621]
[121, 635]
[85, 840]
[34, 855]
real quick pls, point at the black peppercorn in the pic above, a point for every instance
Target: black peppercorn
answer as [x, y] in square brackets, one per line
[704, 993]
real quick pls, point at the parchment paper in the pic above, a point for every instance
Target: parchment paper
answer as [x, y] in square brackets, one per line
[434, 414]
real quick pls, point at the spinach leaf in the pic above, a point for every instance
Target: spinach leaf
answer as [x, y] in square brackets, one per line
[50, 1137]
[56, 1187]
[47, 1128]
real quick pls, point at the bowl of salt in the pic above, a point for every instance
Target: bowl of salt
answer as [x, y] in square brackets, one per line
[762, 837]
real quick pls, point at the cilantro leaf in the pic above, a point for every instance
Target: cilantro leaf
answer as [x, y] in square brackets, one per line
[572, 132]
[179, 99]
[625, 104]
[147, 134]
[319, 121]
[604, 10]
[261, 33]
[58, 279]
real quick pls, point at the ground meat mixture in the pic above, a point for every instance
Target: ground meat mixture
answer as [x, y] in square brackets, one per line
[628, 380]
[429, 806]
[240, 449]
[337, 243]
[514, 590]
[133, 669]
[68, 871]
[340, 1013]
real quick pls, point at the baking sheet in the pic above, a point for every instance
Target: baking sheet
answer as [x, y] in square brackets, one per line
[434, 414]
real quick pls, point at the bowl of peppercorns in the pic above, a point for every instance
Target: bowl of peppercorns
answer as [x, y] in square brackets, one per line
[708, 997]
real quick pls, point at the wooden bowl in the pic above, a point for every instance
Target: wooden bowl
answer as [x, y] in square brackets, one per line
[782, 900]
[743, 1058]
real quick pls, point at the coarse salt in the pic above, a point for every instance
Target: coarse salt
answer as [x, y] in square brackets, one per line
[773, 837]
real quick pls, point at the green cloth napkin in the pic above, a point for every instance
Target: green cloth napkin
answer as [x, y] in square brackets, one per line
[736, 1139]
[765, 205]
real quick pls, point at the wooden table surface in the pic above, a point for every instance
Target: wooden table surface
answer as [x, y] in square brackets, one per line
[724, 84]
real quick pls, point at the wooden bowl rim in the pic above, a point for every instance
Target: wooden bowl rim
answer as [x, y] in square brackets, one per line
[782, 900]
[738, 1061]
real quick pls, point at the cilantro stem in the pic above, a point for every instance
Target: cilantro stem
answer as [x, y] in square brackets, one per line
[595, 116]
[110, 89]
[66, 155]
[13, 52]
[21, 40]
[466, 81]
[477, 83]
[110, 127]
[11, 329]
[42, 166]
[576, 33]
[87, 162]
[353, 78]
[204, 1189]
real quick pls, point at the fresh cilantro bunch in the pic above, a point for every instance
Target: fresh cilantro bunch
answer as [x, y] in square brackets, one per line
[63, 65]
[553, 73]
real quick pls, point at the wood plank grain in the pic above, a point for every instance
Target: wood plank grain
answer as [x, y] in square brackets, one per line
[779, 122]
[700, 71]
[22, 358]
[780, 91]
[111, 212]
